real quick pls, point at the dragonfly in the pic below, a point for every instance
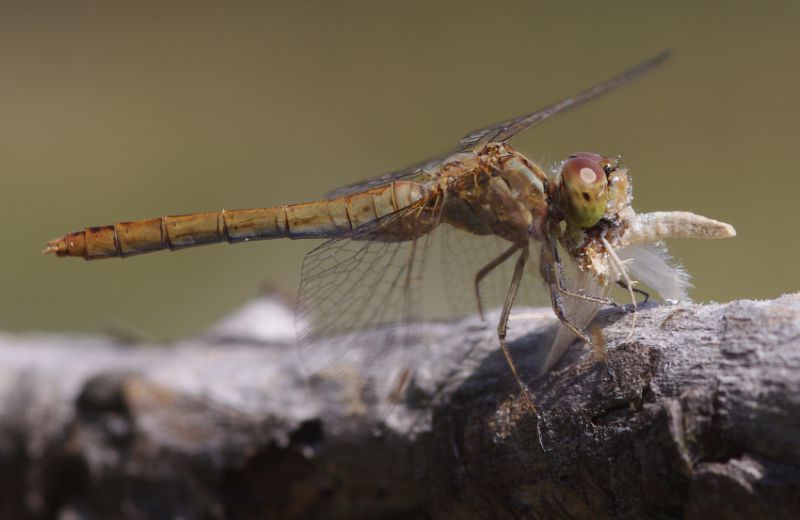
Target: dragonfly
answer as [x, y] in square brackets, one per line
[575, 218]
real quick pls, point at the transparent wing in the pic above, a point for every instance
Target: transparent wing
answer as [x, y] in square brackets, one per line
[419, 172]
[357, 296]
[505, 130]
[463, 257]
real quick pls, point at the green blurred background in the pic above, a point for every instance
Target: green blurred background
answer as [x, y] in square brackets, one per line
[151, 108]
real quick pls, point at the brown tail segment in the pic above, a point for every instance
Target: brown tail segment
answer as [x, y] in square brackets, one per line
[172, 232]
[322, 219]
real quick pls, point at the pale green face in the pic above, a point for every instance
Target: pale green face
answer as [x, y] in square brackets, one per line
[584, 188]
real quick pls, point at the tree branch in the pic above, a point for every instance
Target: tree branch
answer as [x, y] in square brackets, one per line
[700, 419]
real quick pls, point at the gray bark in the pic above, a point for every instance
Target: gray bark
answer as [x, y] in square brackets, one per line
[701, 419]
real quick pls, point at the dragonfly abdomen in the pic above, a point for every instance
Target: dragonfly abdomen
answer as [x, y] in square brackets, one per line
[323, 219]
[171, 232]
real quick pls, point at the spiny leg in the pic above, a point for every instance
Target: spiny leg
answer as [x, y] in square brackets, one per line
[637, 291]
[502, 326]
[619, 265]
[558, 308]
[559, 277]
[596, 342]
[588, 297]
[550, 266]
[552, 273]
[488, 268]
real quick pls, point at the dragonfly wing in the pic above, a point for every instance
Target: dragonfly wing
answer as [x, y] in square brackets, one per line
[505, 130]
[419, 172]
[463, 257]
[357, 296]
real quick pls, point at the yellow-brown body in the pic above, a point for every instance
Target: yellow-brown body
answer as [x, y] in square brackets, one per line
[486, 188]
[496, 191]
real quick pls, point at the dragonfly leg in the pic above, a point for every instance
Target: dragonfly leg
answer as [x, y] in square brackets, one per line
[619, 265]
[588, 297]
[558, 274]
[558, 308]
[502, 327]
[552, 273]
[596, 342]
[637, 291]
[488, 268]
[603, 300]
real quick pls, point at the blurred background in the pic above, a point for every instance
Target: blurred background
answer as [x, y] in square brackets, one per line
[152, 108]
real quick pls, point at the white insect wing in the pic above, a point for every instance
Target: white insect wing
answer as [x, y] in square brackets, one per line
[652, 265]
[580, 313]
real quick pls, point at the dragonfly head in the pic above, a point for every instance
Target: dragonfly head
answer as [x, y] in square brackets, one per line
[584, 188]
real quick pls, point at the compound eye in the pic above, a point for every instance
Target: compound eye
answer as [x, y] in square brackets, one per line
[608, 165]
[579, 172]
[583, 188]
[587, 155]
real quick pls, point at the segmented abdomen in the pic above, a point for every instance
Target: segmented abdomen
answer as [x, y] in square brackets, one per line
[322, 219]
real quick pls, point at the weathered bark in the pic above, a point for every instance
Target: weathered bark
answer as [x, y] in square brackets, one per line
[701, 419]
